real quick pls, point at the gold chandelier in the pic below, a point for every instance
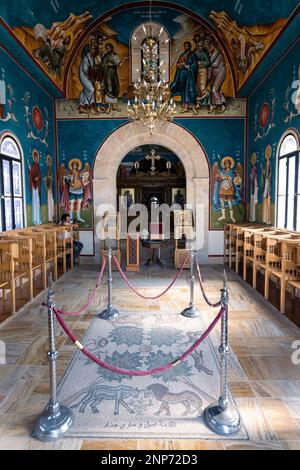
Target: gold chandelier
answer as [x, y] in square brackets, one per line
[152, 97]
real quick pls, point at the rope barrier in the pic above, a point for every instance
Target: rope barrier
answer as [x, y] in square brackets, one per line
[145, 296]
[217, 304]
[153, 371]
[90, 299]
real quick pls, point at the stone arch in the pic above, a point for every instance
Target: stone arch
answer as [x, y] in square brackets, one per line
[170, 135]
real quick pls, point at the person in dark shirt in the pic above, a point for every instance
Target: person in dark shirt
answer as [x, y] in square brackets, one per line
[77, 245]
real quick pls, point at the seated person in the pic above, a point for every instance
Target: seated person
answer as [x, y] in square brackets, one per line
[77, 245]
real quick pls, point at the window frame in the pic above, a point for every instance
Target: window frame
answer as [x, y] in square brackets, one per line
[136, 39]
[11, 159]
[296, 195]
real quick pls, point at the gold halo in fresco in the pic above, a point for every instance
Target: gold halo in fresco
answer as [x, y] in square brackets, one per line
[189, 39]
[110, 41]
[35, 153]
[268, 152]
[253, 158]
[75, 160]
[227, 158]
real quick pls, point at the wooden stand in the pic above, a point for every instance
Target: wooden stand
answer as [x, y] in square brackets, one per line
[132, 254]
[183, 225]
[111, 235]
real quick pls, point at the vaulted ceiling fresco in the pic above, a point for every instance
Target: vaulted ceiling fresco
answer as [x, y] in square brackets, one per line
[55, 34]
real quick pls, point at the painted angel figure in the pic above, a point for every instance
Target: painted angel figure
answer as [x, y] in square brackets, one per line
[75, 187]
[227, 186]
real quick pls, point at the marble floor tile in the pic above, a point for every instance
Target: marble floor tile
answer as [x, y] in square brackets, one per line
[277, 389]
[241, 389]
[256, 425]
[269, 368]
[279, 419]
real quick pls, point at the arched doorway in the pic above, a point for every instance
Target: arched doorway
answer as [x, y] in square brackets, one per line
[169, 135]
[147, 175]
[152, 171]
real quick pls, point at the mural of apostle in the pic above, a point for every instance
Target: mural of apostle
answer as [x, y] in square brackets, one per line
[75, 186]
[253, 188]
[87, 96]
[34, 174]
[217, 75]
[203, 65]
[267, 187]
[227, 186]
[98, 77]
[111, 83]
[48, 182]
[185, 80]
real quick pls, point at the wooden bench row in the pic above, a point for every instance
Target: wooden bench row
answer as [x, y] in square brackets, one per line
[26, 255]
[270, 250]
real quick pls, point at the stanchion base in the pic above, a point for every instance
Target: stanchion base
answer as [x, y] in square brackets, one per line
[52, 426]
[191, 312]
[109, 314]
[222, 421]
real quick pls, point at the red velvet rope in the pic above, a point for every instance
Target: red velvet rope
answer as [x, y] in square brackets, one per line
[90, 299]
[153, 371]
[217, 304]
[145, 296]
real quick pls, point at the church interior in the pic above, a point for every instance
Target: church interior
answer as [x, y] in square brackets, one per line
[150, 225]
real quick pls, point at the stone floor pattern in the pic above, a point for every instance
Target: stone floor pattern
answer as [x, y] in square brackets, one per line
[263, 379]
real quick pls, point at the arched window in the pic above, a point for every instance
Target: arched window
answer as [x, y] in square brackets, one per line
[162, 38]
[288, 183]
[11, 185]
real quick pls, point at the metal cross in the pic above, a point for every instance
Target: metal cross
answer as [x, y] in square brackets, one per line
[152, 157]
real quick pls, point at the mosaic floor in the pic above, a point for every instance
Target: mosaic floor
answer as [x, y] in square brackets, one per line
[263, 379]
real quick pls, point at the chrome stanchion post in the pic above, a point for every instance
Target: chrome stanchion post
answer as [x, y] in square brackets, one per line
[191, 311]
[110, 312]
[223, 417]
[56, 419]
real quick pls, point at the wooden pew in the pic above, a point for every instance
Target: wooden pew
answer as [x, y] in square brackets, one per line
[24, 262]
[257, 248]
[232, 243]
[240, 242]
[9, 275]
[272, 255]
[289, 272]
[39, 264]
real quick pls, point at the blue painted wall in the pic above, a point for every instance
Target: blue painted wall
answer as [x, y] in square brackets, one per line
[276, 93]
[218, 137]
[15, 84]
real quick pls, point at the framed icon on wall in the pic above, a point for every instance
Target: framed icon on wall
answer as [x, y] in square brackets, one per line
[178, 196]
[128, 197]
